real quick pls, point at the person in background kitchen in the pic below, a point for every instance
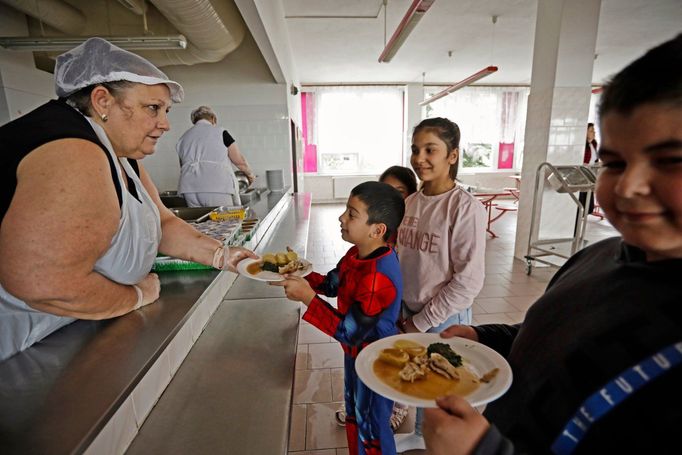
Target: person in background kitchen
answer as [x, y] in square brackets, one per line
[590, 145]
[81, 220]
[207, 153]
[441, 243]
[589, 155]
[597, 362]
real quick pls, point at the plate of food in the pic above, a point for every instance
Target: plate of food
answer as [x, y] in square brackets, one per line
[416, 368]
[272, 266]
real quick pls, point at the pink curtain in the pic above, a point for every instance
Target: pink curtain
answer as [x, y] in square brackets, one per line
[307, 115]
[508, 117]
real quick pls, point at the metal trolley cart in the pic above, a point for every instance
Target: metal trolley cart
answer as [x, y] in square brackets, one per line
[570, 180]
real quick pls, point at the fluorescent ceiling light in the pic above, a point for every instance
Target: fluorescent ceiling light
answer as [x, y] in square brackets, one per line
[463, 83]
[409, 21]
[67, 43]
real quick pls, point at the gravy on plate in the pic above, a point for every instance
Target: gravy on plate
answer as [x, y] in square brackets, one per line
[429, 388]
[254, 269]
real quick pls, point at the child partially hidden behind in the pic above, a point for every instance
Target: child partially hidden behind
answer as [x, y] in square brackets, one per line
[368, 284]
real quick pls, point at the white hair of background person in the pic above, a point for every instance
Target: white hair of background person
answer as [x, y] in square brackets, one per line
[203, 112]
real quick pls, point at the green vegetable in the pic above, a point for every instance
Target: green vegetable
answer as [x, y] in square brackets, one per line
[446, 351]
[270, 267]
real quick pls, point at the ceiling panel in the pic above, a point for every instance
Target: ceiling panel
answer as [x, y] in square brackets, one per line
[333, 50]
[332, 7]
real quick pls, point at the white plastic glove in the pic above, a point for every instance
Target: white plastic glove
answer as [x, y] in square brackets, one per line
[147, 290]
[226, 258]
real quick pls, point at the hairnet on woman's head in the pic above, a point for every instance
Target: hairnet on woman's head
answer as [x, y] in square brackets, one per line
[97, 61]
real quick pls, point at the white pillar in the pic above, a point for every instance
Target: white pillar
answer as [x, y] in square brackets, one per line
[558, 105]
[414, 94]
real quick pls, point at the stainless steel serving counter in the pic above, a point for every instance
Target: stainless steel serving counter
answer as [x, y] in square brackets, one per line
[233, 393]
[90, 386]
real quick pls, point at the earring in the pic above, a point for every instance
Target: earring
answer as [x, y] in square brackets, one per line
[104, 117]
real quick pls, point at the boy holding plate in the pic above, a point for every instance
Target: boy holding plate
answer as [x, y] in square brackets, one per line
[598, 360]
[368, 285]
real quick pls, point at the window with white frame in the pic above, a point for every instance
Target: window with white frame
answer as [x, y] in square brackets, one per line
[353, 129]
[491, 121]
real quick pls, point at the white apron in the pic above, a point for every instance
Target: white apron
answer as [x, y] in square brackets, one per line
[127, 261]
[205, 166]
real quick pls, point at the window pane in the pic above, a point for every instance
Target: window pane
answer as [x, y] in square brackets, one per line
[491, 121]
[359, 129]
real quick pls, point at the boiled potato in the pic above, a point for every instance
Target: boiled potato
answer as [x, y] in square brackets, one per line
[395, 357]
[415, 352]
[269, 257]
[404, 344]
[282, 259]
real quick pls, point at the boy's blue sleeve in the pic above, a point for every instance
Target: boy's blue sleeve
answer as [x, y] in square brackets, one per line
[327, 285]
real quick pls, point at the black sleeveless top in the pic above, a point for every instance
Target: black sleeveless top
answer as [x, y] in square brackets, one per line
[49, 122]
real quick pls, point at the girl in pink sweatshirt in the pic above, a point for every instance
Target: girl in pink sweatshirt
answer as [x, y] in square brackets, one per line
[441, 242]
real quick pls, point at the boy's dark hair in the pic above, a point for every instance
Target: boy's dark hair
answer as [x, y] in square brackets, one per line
[404, 175]
[653, 78]
[384, 204]
[447, 131]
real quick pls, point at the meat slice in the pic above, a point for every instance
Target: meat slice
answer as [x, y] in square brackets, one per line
[412, 372]
[421, 360]
[297, 264]
[440, 365]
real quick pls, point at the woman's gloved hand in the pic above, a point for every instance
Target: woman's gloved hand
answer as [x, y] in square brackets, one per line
[226, 258]
[147, 290]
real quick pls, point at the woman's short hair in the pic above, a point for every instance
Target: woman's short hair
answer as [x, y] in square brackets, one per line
[202, 113]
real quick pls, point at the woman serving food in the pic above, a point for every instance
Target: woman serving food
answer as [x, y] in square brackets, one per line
[101, 224]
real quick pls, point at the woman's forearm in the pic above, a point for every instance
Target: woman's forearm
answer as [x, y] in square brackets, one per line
[239, 160]
[180, 240]
[92, 297]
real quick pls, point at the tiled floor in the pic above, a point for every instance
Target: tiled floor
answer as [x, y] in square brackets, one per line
[318, 389]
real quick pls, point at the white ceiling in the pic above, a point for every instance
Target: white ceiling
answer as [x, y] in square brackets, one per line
[334, 49]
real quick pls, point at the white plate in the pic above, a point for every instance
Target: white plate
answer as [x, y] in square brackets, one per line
[267, 276]
[477, 357]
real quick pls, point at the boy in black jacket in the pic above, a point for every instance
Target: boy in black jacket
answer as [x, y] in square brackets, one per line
[597, 360]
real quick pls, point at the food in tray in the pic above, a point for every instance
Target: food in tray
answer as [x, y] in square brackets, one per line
[223, 231]
[281, 262]
[427, 372]
[227, 213]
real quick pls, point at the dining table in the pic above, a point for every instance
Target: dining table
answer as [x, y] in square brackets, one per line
[491, 201]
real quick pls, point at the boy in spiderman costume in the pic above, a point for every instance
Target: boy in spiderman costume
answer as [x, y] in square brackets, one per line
[368, 284]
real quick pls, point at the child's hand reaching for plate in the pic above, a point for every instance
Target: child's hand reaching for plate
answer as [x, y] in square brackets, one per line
[296, 288]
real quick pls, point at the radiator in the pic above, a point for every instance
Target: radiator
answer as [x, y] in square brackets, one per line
[343, 185]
